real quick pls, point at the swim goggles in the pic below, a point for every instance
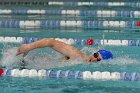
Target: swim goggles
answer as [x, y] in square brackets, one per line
[96, 55]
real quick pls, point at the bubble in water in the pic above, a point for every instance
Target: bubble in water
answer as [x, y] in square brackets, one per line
[9, 58]
[40, 59]
[47, 61]
[35, 59]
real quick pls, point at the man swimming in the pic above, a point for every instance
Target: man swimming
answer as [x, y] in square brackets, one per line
[68, 51]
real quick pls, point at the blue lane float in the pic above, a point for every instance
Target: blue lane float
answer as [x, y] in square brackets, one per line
[67, 23]
[67, 3]
[15, 11]
[53, 12]
[95, 13]
[64, 74]
[27, 40]
[68, 74]
[134, 42]
[48, 24]
[9, 24]
[74, 41]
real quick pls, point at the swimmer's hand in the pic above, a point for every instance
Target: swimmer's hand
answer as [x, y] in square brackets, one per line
[23, 49]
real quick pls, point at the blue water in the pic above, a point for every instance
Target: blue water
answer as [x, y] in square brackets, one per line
[126, 58]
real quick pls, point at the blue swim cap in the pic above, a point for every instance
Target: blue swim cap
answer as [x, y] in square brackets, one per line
[105, 54]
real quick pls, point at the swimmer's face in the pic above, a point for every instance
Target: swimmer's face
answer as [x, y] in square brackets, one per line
[95, 57]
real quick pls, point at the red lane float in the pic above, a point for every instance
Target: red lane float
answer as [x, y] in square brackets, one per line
[1, 71]
[89, 41]
[137, 23]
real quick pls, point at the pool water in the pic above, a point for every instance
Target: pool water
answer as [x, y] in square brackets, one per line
[126, 59]
[126, 55]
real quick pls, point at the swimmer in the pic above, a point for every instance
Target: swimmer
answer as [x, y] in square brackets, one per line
[68, 51]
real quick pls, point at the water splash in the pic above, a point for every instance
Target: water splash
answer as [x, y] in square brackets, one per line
[38, 59]
[9, 58]
[35, 59]
[47, 61]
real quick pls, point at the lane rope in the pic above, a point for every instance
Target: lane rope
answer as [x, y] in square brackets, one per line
[86, 75]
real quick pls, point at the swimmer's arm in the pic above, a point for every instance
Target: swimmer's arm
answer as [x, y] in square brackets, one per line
[40, 44]
[54, 44]
[25, 48]
[59, 46]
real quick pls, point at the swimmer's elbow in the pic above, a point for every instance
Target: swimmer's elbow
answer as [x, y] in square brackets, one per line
[49, 42]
